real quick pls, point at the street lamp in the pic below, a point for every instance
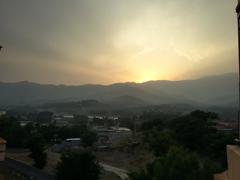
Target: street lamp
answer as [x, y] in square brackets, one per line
[238, 18]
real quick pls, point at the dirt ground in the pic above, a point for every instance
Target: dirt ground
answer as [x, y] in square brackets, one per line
[119, 158]
[108, 176]
[7, 174]
[22, 155]
[127, 161]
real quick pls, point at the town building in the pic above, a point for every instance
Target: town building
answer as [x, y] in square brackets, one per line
[67, 144]
[112, 134]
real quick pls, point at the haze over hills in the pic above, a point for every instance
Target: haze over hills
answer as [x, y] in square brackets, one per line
[218, 90]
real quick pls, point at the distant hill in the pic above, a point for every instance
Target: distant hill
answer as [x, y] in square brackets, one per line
[127, 102]
[220, 90]
[211, 90]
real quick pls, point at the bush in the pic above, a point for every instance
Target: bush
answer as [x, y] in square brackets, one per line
[78, 166]
[177, 164]
[158, 142]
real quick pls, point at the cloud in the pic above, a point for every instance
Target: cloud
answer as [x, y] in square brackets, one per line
[80, 41]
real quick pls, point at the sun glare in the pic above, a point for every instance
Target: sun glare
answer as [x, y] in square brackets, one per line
[146, 76]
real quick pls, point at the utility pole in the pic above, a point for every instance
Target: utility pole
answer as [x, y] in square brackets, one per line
[238, 19]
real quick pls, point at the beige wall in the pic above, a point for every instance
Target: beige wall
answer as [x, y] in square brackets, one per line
[2, 156]
[233, 153]
[2, 152]
[2, 147]
[221, 176]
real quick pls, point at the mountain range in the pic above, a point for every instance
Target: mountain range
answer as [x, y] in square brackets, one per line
[217, 90]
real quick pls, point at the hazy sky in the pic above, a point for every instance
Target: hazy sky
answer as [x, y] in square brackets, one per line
[106, 41]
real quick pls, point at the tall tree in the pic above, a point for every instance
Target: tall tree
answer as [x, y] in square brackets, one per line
[177, 164]
[193, 130]
[78, 166]
[37, 148]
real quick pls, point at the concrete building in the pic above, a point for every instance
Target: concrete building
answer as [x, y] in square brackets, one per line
[2, 149]
[113, 134]
[67, 144]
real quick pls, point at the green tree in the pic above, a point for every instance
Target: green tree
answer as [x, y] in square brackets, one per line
[88, 138]
[158, 141]
[81, 120]
[194, 130]
[37, 148]
[87, 135]
[48, 132]
[157, 124]
[217, 147]
[11, 130]
[177, 164]
[78, 166]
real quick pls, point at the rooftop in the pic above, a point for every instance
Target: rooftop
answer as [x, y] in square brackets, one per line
[73, 139]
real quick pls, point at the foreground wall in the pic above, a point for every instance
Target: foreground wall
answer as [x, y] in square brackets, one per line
[2, 149]
[233, 154]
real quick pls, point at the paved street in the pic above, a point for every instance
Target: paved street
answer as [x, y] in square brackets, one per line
[123, 174]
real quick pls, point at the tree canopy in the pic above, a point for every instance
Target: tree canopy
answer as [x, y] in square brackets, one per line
[78, 166]
[177, 164]
[37, 148]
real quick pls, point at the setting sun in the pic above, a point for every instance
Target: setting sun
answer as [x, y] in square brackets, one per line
[146, 77]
